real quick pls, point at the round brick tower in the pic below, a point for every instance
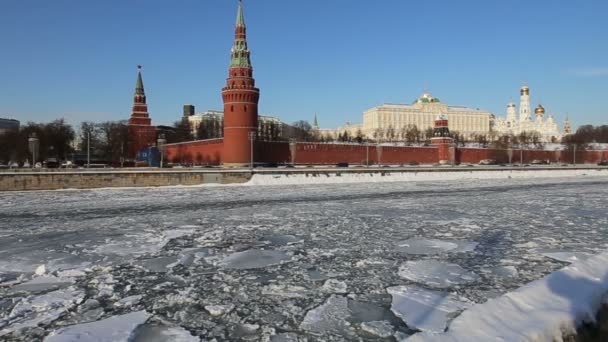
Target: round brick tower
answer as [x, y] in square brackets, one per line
[442, 139]
[240, 100]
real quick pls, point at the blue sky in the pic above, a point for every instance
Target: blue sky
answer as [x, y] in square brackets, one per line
[77, 59]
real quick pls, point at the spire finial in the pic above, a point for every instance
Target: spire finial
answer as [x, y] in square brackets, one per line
[139, 86]
[240, 17]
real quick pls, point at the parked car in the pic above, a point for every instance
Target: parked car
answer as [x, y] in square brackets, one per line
[342, 164]
[603, 163]
[51, 163]
[487, 162]
[413, 163]
[539, 162]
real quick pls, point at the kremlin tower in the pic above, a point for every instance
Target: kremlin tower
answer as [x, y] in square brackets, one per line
[567, 127]
[240, 98]
[443, 139]
[141, 132]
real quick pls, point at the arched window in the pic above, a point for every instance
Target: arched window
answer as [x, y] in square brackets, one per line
[232, 108]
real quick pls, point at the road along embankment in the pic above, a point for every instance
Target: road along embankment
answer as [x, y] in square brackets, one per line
[91, 179]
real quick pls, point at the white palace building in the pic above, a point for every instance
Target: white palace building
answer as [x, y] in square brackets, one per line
[545, 126]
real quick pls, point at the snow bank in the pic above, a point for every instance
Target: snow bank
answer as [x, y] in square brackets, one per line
[544, 310]
[332, 177]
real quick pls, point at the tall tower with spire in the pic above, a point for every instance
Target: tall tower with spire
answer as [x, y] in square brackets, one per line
[241, 99]
[567, 126]
[315, 123]
[524, 104]
[141, 132]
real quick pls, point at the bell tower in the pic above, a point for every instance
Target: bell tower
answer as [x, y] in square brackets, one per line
[241, 99]
[524, 104]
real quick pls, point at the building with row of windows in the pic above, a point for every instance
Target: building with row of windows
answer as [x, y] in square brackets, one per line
[391, 121]
[210, 125]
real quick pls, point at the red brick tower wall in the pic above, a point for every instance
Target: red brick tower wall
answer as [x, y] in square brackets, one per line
[442, 139]
[141, 132]
[241, 99]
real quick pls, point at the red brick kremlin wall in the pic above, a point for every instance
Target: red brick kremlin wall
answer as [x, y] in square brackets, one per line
[202, 152]
[209, 152]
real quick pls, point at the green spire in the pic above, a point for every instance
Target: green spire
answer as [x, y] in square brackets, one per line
[315, 123]
[240, 53]
[139, 87]
[240, 18]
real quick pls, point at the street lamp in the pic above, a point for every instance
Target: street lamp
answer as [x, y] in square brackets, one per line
[251, 139]
[161, 142]
[34, 145]
[88, 149]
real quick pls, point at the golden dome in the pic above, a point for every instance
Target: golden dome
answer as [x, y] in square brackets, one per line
[539, 110]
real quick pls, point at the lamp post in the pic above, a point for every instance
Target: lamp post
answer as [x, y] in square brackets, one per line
[34, 145]
[292, 150]
[88, 149]
[161, 142]
[251, 139]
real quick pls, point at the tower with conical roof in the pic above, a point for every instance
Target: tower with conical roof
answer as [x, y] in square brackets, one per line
[567, 126]
[241, 99]
[141, 132]
[315, 123]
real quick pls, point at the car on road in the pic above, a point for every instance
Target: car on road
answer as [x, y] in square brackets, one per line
[539, 162]
[342, 164]
[603, 163]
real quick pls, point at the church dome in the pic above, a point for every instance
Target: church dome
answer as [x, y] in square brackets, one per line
[539, 110]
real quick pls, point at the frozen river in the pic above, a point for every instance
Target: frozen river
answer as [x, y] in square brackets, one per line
[368, 261]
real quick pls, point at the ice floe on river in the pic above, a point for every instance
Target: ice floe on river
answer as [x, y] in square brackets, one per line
[425, 310]
[116, 328]
[437, 274]
[254, 258]
[424, 246]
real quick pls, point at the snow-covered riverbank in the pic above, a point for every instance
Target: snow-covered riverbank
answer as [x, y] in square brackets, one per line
[388, 175]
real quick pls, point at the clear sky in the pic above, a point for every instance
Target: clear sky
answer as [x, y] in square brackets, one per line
[77, 59]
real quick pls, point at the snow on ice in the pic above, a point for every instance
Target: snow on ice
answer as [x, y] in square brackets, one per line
[543, 310]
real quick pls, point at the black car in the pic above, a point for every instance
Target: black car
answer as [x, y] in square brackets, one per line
[603, 163]
[342, 164]
[51, 163]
